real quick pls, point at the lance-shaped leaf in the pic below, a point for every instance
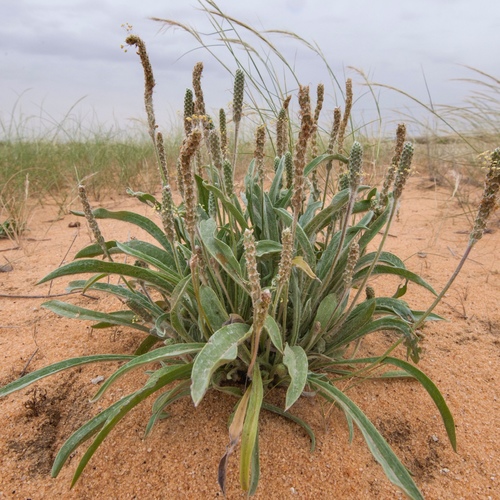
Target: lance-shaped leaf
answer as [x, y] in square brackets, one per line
[273, 330]
[156, 356]
[382, 452]
[156, 381]
[404, 273]
[71, 311]
[295, 359]
[155, 278]
[214, 311]
[37, 375]
[221, 252]
[220, 349]
[250, 429]
[138, 220]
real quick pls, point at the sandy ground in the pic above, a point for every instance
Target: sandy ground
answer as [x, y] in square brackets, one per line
[179, 459]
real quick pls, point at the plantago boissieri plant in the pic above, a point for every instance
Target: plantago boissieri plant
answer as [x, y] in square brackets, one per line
[248, 292]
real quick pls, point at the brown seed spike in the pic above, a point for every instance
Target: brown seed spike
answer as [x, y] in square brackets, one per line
[149, 81]
[199, 105]
[306, 127]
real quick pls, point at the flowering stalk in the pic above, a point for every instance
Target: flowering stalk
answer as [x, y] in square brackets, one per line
[238, 93]
[94, 227]
[149, 82]
[486, 207]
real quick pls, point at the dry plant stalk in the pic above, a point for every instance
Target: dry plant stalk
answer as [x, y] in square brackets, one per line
[260, 141]
[306, 127]
[347, 114]
[149, 82]
[188, 149]
[391, 172]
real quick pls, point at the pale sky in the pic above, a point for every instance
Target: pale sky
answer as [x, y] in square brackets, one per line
[59, 54]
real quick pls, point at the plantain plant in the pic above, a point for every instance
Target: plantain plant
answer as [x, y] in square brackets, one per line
[245, 292]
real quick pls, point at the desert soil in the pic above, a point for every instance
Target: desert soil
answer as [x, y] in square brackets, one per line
[179, 459]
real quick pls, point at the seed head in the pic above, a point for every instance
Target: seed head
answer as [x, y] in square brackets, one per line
[199, 105]
[251, 263]
[215, 149]
[188, 149]
[391, 172]
[260, 141]
[285, 265]
[320, 95]
[223, 132]
[167, 213]
[355, 164]
[347, 113]
[306, 127]
[92, 222]
[228, 177]
[281, 133]
[289, 169]
[188, 111]
[403, 169]
[489, 199]
[162, 159]
[149, 81]
[239, 91]
[352, 260]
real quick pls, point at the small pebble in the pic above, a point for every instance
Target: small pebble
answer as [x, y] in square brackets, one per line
[97, 380]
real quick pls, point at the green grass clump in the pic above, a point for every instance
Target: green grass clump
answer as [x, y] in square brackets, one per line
[259, 290]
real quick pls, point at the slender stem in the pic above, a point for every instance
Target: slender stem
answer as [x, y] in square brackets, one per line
[375, 259]
[421, 320]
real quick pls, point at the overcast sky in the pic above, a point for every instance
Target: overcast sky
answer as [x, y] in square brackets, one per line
[63, 57]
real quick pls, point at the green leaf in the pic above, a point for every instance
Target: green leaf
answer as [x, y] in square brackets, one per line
[302, 238]
[156, 356]
[382, 452]
[214, 311]
[156, 381]
[70, 311]
[404, 273]
[181, 390]
[277, 183]
[156, 278]
[295, 359]
[139, 220]
[385, 257]
[268, 247]
[321, 158]
[323, 218]
[250, 428]
[95, 249]
[221, 252]
[273, 330]
[395, 306]
[37, 375]
[433, 392]
[156, 256]
[228, 205]
[119, 291]
[219, 350]
[145, 198]
[355, 322]
[326, 309]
